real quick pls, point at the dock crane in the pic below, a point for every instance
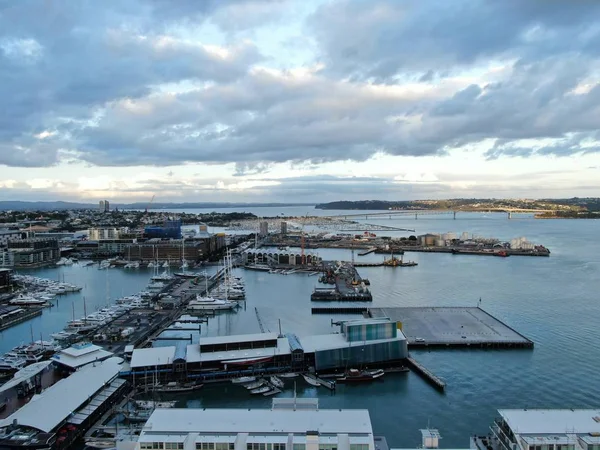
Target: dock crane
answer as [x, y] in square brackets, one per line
[150, 204]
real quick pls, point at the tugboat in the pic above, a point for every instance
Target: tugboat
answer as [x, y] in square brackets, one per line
[502, 254]
[358, 376]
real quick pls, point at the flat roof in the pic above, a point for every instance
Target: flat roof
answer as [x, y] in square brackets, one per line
[79, 358]
[448, 325]
[47, 410]
[25, 374]
[333, 341]
[80, 349]
[213, 421]
[237, 338]
[154, 356]
[194, 355]
[552, 421]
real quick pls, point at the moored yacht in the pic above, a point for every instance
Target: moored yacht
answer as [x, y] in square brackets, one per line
[210, 304]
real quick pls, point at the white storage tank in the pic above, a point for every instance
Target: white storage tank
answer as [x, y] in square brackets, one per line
[440, 242]
[464, 236]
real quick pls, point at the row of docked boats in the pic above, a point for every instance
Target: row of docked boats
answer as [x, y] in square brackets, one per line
[261, 386]
[26, 354]
[40, 291]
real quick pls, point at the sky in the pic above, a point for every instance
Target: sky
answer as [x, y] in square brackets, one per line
[298, 101]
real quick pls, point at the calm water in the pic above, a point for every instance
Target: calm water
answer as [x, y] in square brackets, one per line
[554, 301]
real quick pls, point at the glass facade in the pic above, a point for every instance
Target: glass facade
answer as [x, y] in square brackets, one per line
[370, 331]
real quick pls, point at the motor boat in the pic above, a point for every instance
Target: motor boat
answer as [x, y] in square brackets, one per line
[355, 375]
[210, 304]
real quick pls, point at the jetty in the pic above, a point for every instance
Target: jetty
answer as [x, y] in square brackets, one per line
[426, 374]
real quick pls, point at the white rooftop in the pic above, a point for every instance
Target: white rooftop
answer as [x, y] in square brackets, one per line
[333, 341]
[81, 355]
[552, 421]
[80, 349]
[150, 357]
[194, 354]
[237, 338]
[216, 421]
[47, 410]
[25, 374]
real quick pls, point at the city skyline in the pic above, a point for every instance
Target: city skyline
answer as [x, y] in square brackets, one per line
[287, 101]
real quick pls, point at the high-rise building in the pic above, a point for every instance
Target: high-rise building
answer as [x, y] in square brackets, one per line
[104, 206]
[283, 227]
[263, 228]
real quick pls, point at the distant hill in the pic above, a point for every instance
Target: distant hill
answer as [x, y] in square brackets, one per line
[589, 204]
[53, 206]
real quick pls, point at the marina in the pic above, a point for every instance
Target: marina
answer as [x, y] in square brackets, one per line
[159, 318]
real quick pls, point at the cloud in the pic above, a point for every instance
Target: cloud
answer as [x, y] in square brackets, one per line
[379, 39]
[161, 83]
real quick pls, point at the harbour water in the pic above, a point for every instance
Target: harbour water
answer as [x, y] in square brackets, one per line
[553, 301]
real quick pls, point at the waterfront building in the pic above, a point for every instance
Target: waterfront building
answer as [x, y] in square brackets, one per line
[543, 429]
[112, 246]
[274, 256]
[170, 250]
[360, 344]
[62, 413]
[284, 230]
[79, 355]
[96, 234]
[34, 252]
[290, 424]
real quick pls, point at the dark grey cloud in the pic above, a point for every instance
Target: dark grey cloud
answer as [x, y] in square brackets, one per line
[90, 71]
[379, 38]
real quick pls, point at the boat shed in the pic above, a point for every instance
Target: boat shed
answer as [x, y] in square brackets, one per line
[153, 358]
[66, 408]
[79, 355]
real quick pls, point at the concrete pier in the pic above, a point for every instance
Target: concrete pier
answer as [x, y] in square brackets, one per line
[427, 327]
[427, 375]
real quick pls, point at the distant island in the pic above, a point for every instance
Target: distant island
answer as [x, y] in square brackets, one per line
[575, 208]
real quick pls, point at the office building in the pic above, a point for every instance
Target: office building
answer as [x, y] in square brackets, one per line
[104, 206]
[284, 228]
[290, 424]
[34, 252]
[263, 228]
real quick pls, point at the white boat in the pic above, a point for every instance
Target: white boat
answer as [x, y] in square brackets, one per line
[288, 375]
[151, 404]
[28, 301]
[276, 382]
[273, 391]
[255, 384]
[310, 380]
[260, 390]
[175, 387]
[165, 265]
[210, 304]
[10, 363]
[243, 380]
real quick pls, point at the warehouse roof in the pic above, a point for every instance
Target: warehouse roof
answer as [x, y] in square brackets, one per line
[49, 409]
[237, 338]
[214, 421]
[195, 355]
[80, 355]
[333, 341]
[552, 421]
[150, 357]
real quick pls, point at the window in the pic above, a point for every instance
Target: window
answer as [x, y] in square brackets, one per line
[205, 446]
[299, 446]
[359, 446]
[174, 446]
[327, 446]
[278, 447]
[224, 446]
[152, 445]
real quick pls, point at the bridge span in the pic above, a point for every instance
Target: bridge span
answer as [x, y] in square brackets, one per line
[416, 213]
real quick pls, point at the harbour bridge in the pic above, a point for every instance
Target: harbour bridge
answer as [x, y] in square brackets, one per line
[416, 213]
